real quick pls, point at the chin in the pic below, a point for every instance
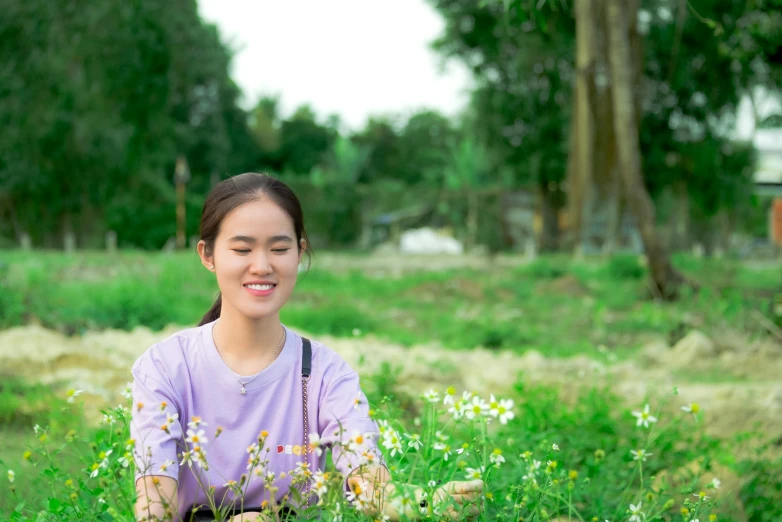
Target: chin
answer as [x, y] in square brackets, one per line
[260, 313]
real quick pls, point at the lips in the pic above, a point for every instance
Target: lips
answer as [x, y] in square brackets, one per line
[260, 289]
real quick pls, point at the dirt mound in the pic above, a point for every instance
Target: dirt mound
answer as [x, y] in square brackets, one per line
[99, 363]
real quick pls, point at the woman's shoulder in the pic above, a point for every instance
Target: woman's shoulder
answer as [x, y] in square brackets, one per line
[169, 353]
[327, 361]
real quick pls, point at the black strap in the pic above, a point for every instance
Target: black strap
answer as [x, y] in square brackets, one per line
[306, 357]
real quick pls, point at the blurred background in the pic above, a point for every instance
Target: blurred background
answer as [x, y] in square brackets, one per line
[509, 148]
[556, 192]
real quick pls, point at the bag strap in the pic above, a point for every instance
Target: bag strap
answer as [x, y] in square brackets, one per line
[306, 370]
[306, 359]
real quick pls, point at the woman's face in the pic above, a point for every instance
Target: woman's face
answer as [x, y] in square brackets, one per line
[256, 258]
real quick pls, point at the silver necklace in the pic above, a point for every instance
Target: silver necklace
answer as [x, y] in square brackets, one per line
[236, 375]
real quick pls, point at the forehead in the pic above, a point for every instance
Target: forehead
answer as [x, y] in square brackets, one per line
[260, 219]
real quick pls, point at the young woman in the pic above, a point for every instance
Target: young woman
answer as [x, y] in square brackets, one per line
[239, 380]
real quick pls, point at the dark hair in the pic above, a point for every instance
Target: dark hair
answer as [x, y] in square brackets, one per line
[238, 190]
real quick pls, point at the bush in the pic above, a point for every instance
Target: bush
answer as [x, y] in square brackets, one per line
[537, 457]
[625, 267]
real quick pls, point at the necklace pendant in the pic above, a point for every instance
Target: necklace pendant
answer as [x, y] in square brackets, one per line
[244, 391]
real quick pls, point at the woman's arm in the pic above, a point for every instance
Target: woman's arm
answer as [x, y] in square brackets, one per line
[156, 498]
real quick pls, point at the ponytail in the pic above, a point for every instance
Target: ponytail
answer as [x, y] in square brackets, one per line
[214, 313]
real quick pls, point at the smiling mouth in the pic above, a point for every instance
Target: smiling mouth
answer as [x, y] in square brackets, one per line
[260, 287]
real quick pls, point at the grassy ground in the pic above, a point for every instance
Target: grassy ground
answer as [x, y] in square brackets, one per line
[555, 305]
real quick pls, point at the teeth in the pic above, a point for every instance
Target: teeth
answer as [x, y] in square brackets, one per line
[260, 287]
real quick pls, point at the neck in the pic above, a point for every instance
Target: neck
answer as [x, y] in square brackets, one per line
[244, 338]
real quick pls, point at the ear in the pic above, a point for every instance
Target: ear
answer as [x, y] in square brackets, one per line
[207, 261]
[302, 249]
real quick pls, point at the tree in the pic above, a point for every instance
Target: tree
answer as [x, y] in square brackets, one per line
[97, 101]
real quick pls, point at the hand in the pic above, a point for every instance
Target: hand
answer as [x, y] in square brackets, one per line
[466, 497]
[250, 516]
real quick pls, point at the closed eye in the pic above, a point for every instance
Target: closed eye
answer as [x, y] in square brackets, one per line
[281, 250]
[241, 251]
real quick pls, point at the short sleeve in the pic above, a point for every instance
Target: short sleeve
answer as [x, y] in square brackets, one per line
[154, 406]
[343, 414]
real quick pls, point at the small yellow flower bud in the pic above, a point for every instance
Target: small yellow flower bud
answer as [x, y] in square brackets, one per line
[685, 511]
[69, 483]
[163, 405]
[712, 517]
[264, 434]
[600, 454]
[139, 406]
[572, 474]
[27, 454]
[74, 496]
[156, 481]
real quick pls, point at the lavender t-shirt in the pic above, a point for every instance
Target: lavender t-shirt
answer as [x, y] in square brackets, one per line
[186, 372]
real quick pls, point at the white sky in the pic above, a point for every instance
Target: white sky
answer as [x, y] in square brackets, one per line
[347, 57]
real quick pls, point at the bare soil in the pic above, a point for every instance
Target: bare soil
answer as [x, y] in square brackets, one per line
[735, 380]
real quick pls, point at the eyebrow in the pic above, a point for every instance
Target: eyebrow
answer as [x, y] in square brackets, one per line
[273, 239]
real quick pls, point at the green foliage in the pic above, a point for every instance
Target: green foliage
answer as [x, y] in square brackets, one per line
[761, 490]
[553, 456]
[98, 103]
[625, 267]
[590, 302]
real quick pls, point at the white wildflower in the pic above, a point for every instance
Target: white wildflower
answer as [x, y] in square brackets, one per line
[72, 394]
[644, 417]
[196, 437]
[475, 473]
[414, 442]
[431, 396]
[316, 443]
[391, 441]
[477, 408]
[445, 448]
[640, 455]
[635, 511]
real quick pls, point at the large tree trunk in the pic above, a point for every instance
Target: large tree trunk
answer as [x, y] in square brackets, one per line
[665, 278]
[581, 164]
[549, 211]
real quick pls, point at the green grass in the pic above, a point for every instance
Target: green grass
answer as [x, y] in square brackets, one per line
[595, 474]
[555, 305]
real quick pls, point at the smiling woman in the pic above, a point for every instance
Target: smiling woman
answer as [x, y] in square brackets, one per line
[254, 382]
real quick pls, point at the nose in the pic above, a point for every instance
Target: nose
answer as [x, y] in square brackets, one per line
[260, 263]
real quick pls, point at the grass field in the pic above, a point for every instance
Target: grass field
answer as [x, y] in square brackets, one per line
[555, 306]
